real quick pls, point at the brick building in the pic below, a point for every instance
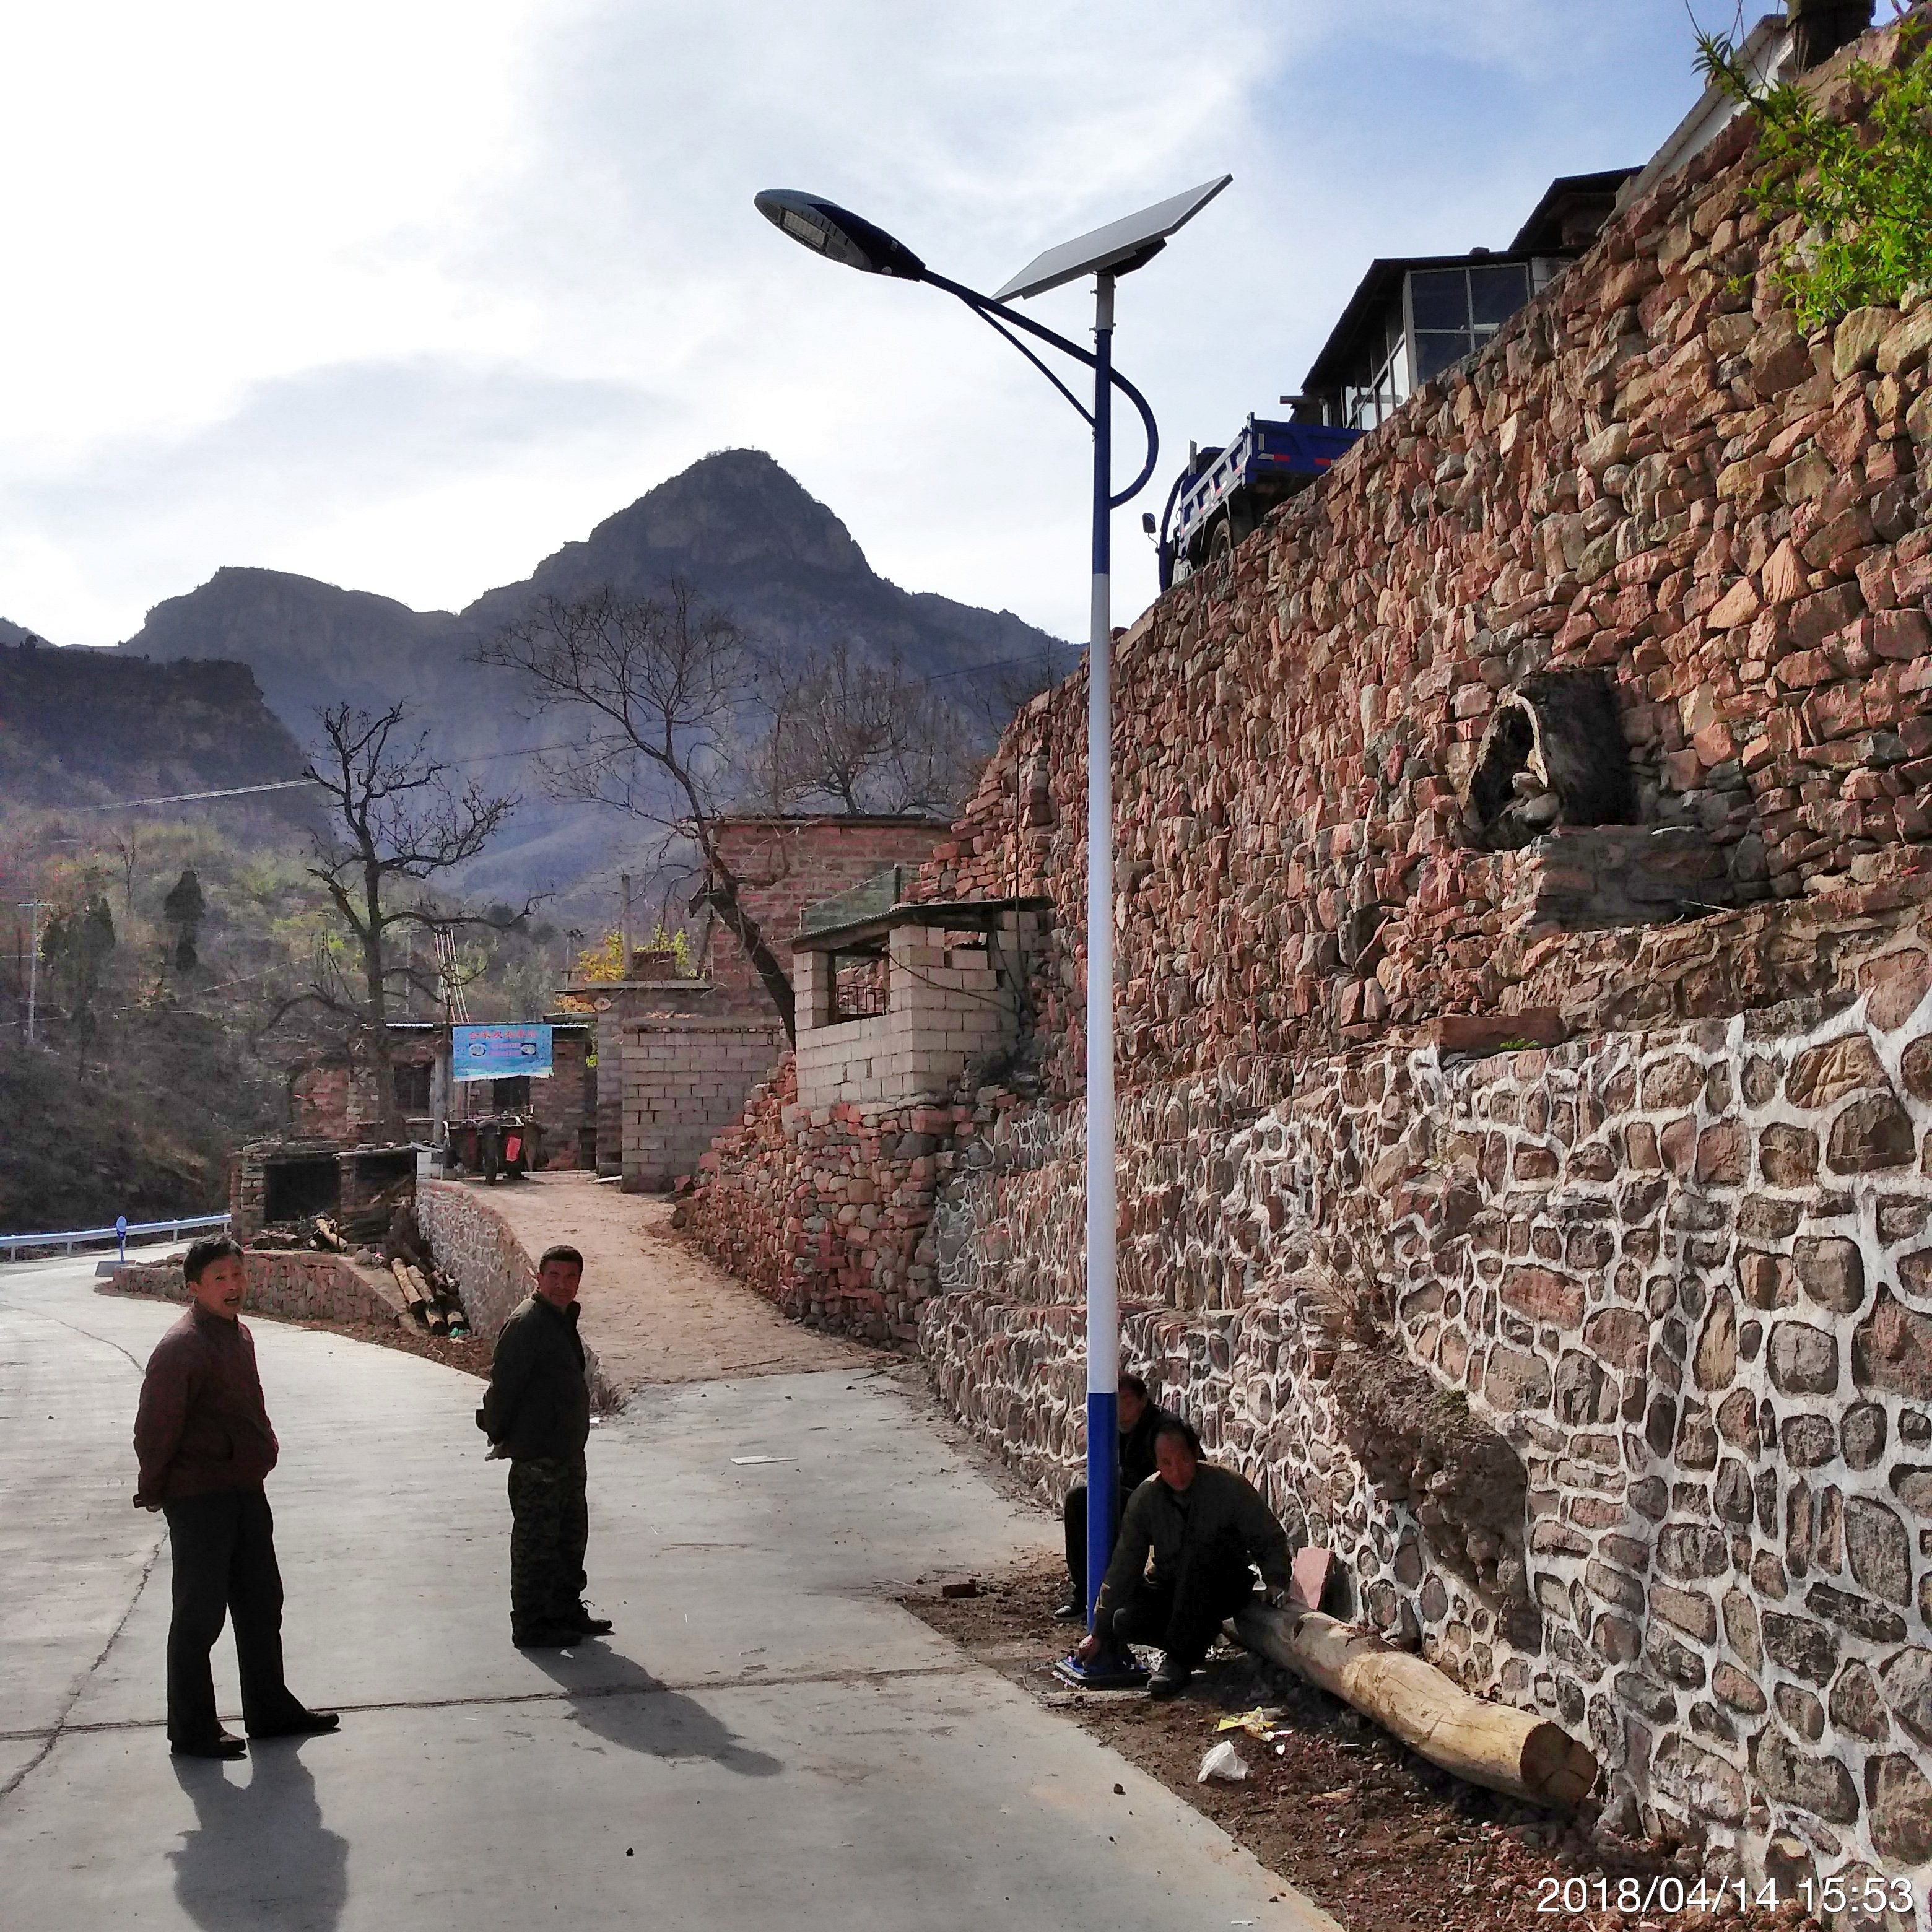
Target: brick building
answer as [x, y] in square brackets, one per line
[336, 1103]
[683, 1054]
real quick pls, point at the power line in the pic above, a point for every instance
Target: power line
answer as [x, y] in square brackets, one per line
[538, 751]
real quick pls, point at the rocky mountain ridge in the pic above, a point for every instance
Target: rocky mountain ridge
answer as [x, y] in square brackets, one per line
[735, 524]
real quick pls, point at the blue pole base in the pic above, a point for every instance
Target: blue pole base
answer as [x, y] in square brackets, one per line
[1112, 1668]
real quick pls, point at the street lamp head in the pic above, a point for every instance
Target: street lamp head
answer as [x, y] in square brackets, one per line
[838, 234]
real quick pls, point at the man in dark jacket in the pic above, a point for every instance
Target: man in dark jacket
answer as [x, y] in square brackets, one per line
[1203, 1526]
[1137, 1418]
[536, 1411]
[203, 1442]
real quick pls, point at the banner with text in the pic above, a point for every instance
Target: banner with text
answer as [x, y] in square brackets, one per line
[500, 1052]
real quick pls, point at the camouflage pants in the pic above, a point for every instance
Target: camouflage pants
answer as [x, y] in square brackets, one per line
[549, 1526]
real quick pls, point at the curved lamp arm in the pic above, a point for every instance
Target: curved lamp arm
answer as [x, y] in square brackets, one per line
[996, 315]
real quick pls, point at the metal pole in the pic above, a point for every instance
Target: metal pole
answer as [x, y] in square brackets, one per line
[625, 879]
[1103, 1320]
[33, 908]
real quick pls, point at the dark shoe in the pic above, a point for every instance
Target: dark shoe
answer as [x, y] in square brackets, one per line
[1168, 1681]
[304, 1724]
[226, 1745]
[1073, 1611]
[547, 1636]
[578, 1617]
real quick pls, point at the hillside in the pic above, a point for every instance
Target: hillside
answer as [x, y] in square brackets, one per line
[80, 727]
[736, 525]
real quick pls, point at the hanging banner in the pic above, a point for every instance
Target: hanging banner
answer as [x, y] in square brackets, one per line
[499, 1052]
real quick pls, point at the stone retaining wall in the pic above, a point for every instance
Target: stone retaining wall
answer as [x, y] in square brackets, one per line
[1675, 1273]
[1649, 476]
[825, 1210]
[474, 1244]
[1685, 1276]
[294, 1286]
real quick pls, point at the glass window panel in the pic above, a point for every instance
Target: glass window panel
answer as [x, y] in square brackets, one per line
[1496, 294]
[1398, 375]
[1436, 349]
[1439, 299]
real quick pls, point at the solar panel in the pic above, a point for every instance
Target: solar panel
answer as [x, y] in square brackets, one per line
[1108, 247]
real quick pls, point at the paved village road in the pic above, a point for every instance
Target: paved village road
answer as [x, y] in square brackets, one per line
[766, 1742]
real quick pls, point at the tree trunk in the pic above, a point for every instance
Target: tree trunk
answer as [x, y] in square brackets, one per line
[1494, 1745]
[721, 894]
[388, 1115]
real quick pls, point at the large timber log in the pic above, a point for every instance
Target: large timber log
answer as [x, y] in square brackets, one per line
[1490, 1744]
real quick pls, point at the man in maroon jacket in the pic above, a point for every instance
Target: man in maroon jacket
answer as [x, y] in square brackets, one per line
[202, 1437]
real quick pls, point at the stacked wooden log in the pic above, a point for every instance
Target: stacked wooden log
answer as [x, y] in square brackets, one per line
[429, 1292]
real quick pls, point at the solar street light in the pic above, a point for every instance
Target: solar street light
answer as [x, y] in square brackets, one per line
[1106, 253]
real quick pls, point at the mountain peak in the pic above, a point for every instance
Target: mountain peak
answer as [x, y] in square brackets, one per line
[733, 512]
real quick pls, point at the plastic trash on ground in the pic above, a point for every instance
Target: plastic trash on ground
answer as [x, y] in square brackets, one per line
[1224, 1762]
[1262, 1722]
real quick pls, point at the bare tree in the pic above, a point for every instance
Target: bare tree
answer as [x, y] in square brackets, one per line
[396, 816]
[864, 737]
[665, 687]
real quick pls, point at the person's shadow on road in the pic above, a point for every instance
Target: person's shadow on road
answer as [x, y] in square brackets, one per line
[619, 1700]
[259, 1854]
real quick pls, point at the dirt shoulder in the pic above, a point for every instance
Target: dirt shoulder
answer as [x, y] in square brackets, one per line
[1354, 1820]
[654, 1311]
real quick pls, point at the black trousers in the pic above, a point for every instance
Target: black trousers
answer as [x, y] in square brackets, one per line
[1183, 1616]
[224, 1565]
[550, 1525]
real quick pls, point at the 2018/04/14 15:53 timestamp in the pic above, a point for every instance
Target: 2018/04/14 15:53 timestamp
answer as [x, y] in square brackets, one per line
[1631, 1897]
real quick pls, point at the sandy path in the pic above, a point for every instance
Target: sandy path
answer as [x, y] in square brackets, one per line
[654, 1311]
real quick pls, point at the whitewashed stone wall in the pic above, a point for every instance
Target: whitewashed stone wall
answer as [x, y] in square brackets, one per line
[1685, 1276]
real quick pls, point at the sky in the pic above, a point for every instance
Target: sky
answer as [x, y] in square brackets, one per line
[403, 296]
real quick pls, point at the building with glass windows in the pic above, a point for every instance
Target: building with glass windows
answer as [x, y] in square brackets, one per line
[1412, 318]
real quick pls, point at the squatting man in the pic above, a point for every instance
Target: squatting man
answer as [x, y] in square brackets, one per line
[1203, 1526]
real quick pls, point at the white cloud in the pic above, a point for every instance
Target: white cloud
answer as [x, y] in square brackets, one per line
[405, 296]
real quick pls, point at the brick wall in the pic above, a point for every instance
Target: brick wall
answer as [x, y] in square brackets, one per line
[784, 864]
[952, 997]
[684, 1079]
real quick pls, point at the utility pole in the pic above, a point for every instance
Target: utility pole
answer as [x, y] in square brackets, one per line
[33, 908]
[624, 879]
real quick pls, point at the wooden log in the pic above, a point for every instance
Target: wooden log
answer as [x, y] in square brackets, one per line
[328, 1234]
[1494, 1745]
[412, 1295]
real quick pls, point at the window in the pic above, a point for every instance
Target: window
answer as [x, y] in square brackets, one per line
[1456, 311]
[412, 1088]
[1382, 386]
[511, 1096]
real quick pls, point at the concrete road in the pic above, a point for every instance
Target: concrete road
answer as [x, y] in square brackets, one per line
[767, 1741]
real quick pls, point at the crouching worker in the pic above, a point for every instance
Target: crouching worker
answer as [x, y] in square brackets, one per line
[1138, 1419]
[1203, 1526]
[536, 1411]
[205, 1447]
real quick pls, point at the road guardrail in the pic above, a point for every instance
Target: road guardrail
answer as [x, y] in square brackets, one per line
[120, 1235]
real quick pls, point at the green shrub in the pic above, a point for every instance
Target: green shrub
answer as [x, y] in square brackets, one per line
[1862, 188]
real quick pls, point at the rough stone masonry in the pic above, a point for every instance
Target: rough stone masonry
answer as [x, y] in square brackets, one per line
[1604, 1362]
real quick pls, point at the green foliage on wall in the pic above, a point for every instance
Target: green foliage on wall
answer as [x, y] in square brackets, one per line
[1861, 188]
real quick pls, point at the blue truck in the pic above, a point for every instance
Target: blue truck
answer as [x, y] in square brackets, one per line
[1223, 494]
